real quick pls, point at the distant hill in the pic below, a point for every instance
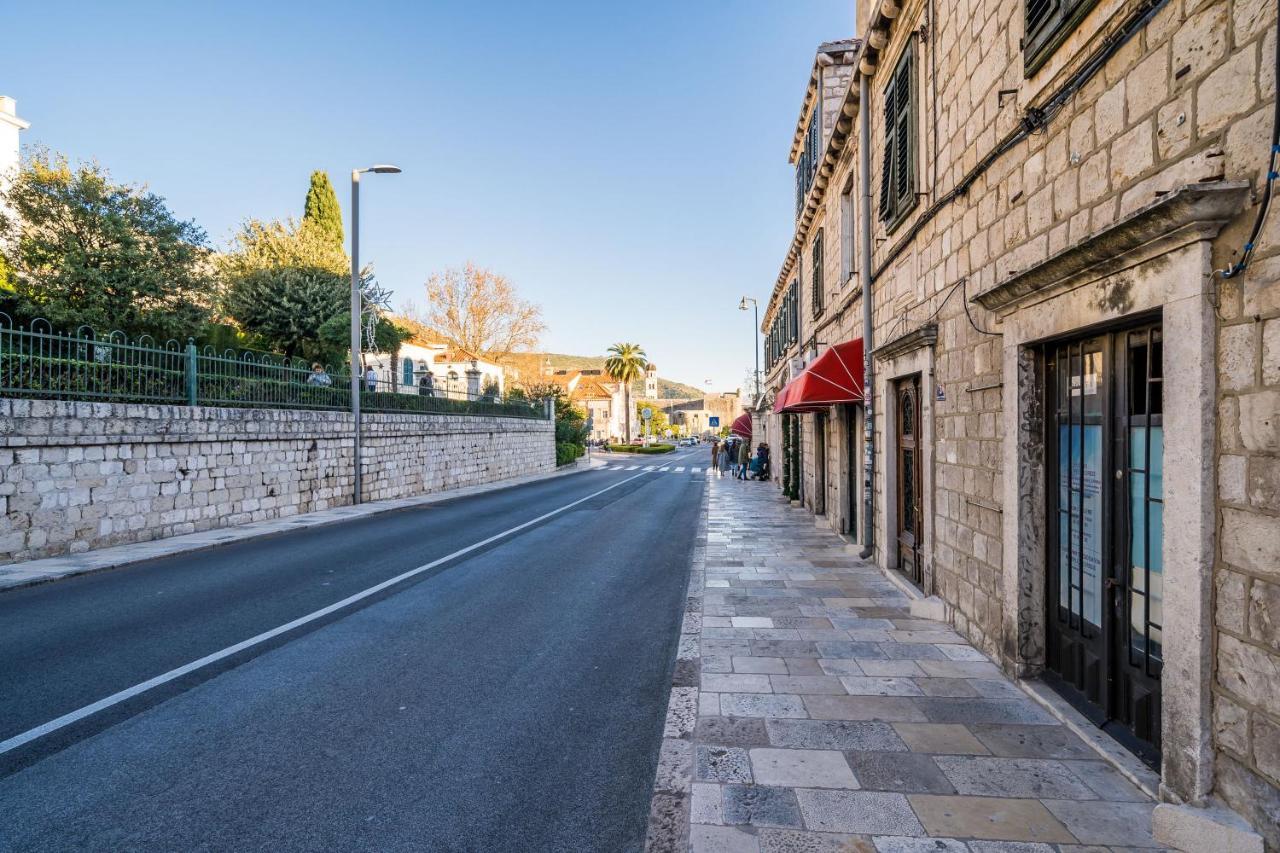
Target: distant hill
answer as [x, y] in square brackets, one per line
[530, 364]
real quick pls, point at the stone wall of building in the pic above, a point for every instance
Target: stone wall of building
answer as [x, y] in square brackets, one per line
[76, 476]
[1187, 101]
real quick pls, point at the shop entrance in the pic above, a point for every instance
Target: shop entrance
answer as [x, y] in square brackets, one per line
[1104, 446]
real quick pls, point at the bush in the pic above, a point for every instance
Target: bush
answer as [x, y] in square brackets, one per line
[635, 448]
[567, 452]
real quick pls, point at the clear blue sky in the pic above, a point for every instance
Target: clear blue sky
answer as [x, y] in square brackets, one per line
[593, 152]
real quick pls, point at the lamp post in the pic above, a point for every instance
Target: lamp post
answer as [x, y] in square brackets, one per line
[742, 306]
[357, 374]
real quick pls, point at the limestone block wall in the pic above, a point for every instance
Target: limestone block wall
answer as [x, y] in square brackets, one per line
[76, 476]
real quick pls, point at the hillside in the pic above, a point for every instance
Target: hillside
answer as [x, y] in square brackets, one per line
[530, 364]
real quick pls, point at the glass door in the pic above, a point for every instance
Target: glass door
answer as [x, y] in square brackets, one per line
[1104, 597]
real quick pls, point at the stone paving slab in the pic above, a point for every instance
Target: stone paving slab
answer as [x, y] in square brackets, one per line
[825, 717]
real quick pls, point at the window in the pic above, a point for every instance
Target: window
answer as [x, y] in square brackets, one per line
[897, 173]
[816, 280]
[807, 164]
[846, 234]
[793, 312]
[1048, 23]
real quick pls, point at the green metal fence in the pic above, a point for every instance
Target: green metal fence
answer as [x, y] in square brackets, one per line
[39, 362]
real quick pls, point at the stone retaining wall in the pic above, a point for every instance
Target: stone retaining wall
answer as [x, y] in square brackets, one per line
[76, 476]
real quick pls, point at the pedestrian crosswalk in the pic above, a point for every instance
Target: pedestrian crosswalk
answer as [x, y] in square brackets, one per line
[660, 469]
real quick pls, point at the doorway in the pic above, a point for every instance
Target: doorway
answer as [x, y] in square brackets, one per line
[820, 463]
[853, 483]
[907, 450]
[1104, 456]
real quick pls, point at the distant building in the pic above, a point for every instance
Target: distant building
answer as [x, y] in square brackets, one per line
[455, 372]
[601, 398]
[10, 145]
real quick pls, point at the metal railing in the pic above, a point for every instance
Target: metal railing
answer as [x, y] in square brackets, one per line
[39, 362]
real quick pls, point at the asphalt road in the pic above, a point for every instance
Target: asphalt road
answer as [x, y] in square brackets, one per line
[509, 699]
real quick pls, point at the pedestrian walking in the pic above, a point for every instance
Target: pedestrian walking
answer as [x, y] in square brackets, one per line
[715, 455]
[319, 376]
[371, 380]
[725, 459]
[744, 458]
[762, 458]
[427, 385]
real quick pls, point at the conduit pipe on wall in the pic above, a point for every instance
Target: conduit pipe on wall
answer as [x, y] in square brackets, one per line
[868, 378]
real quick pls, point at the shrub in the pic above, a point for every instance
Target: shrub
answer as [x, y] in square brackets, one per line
[567, 452]
[635, 448]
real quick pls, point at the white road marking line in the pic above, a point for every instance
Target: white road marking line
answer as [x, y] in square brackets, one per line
[665, 468]
[694, 470]
[648, 467]
[129, 692]
[632, 467]
[679, 468]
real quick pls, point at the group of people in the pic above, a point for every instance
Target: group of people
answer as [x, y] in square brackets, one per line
[733, 455]
[319, 377]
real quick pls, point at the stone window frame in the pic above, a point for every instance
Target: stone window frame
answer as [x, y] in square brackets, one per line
[1157, 260]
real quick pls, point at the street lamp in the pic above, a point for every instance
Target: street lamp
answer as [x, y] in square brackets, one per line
[357, 375]
[742, 306]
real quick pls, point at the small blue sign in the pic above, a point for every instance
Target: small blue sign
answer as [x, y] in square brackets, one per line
[713, 421]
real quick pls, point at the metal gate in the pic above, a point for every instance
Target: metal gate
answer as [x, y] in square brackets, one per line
[1104, 449]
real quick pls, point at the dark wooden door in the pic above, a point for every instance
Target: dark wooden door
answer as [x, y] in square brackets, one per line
[1104, 595]
[907, 401]
[853, 486]
[820, 463]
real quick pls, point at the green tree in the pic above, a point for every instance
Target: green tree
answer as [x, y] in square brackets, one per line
[283, 283]
[321, 210]
[625, 363]
[268, 245]
[658, 422]
[387, 337]
[285, 307]
[110, 256]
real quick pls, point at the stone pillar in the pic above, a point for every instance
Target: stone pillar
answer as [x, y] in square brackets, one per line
[473, 383]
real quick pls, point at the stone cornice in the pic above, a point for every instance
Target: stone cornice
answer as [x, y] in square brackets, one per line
[1190, 213]
[924, 336]
[846, 51]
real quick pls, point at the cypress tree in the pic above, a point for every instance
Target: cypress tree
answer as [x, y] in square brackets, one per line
[321, 210]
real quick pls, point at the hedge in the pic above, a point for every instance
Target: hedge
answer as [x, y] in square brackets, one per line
[636, 448]
[567, 451]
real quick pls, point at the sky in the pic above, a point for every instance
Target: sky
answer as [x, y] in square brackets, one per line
[624, 164]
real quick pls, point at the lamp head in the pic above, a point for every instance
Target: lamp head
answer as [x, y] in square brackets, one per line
[383, 169]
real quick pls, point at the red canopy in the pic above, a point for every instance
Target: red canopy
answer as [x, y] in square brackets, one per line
[742, 425]
[833, 377]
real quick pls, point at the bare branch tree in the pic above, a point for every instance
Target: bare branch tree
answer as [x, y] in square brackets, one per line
[478, 310]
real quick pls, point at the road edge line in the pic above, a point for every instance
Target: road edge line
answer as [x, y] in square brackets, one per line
[116, 698]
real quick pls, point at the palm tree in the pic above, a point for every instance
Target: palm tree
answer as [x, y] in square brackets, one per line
[626, 363]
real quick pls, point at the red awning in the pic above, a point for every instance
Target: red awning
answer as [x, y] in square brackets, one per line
[833, 377]
[742, 426]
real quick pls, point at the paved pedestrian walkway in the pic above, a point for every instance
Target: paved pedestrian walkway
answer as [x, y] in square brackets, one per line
[811, 712]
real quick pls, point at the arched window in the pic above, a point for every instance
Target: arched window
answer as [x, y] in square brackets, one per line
[408, 371]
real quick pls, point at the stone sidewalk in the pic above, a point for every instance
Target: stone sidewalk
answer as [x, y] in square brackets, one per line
[811, 712]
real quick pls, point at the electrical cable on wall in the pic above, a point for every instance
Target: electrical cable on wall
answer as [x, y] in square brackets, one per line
[1264, 206]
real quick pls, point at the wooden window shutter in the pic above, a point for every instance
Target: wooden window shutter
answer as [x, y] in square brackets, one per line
[886, 170]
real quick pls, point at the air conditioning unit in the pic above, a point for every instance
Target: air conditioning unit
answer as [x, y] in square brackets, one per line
[796, 367]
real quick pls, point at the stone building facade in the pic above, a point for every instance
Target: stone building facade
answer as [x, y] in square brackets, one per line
[1076, 397]
[76, 476]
